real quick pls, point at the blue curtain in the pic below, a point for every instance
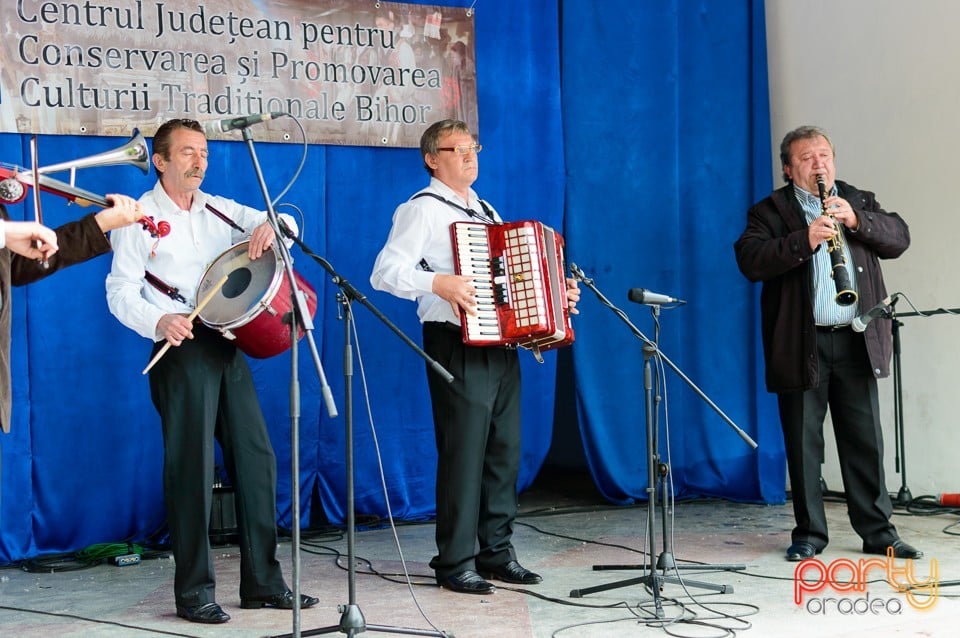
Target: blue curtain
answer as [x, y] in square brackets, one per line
[667, 135]
[647, 164]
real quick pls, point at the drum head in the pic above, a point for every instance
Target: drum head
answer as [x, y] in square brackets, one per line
[248, 282]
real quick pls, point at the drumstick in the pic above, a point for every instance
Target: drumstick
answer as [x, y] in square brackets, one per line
[191, 317]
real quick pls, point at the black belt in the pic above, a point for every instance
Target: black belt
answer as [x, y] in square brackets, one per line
[834, 328]
[445, 326]
[448, 326]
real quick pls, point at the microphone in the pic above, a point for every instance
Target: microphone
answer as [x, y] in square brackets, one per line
[232, 123]
[644, 296]
[285, 229]
[859, 324]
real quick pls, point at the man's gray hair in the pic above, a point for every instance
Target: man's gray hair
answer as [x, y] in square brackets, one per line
[800, 133]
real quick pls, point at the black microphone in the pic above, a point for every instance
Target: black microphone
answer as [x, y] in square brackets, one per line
[644, 296]
[859, 324]
[232, 123]
[285, 229]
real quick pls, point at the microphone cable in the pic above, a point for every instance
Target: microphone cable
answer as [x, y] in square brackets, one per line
[303, 161]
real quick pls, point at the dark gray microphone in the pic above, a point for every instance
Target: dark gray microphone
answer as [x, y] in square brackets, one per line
[859, 324]
[233, 123]
[647, 298]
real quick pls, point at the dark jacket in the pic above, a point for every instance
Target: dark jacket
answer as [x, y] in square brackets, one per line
[774, 249]
[78, 241]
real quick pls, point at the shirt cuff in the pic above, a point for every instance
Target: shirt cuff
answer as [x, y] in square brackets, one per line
[423, 280]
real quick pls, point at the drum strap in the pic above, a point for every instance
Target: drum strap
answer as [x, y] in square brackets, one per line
[232, 224]
[163, 287]
[169, 290]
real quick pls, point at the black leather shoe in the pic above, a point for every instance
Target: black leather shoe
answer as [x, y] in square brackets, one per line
[279, 601]
[512, 572]
[466, 582]
[801, 550]
[900, 549]
[209, 613]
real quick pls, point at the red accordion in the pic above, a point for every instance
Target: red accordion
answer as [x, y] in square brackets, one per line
[520, 277]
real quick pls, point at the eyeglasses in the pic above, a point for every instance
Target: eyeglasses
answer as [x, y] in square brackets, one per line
[464, 149]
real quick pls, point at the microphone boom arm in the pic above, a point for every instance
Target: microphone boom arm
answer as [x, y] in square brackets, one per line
[578, 274]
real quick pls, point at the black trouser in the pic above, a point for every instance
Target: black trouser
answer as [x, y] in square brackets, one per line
[477, 425]
[204, 390]
[849, 388]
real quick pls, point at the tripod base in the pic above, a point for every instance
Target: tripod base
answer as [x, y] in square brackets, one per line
[903, 497]
[353, 623]
[654, 581]
[664, 562]
[351, 618]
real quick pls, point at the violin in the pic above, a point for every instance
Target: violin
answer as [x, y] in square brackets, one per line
[14, 179]
[13, 191]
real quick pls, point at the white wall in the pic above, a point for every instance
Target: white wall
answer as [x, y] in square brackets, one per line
[882, 77]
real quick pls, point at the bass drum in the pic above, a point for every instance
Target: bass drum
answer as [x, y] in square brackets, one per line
[251, 306]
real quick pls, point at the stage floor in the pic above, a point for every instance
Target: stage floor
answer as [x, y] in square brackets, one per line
[564, 531]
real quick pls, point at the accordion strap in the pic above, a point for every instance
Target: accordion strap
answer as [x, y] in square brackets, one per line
[486, 217]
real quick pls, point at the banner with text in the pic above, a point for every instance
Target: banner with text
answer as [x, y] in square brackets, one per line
[353, 72]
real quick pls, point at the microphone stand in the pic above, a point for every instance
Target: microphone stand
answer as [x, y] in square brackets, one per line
[665, 561]
[299, 318]
[903, 495]
[900, 460]
[352, 621]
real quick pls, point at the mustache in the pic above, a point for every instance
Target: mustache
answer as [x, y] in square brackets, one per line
[194, 172]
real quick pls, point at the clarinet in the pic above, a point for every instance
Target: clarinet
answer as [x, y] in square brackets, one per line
[846, 295]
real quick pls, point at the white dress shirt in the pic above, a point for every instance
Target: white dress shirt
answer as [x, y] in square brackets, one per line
[197, 238]
[419, 239]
